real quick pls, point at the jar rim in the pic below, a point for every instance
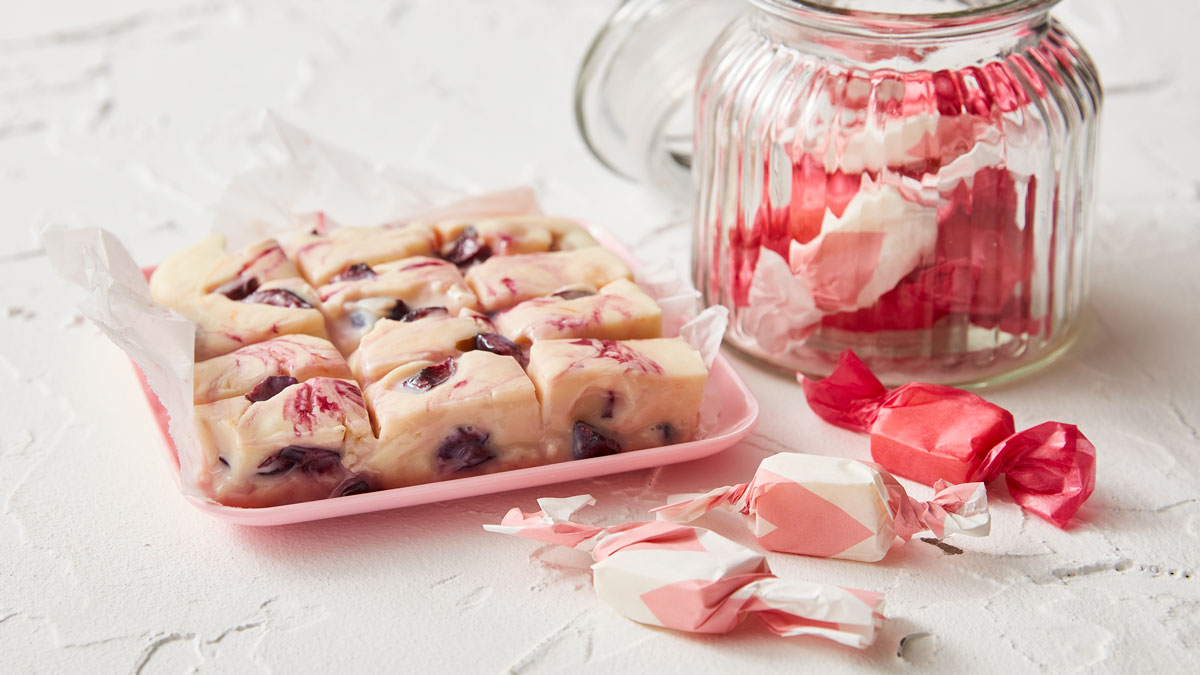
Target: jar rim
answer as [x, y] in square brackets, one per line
[898, 25]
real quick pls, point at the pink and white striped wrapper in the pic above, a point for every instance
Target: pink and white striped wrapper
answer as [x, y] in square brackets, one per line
[690, 579]
[836, 508]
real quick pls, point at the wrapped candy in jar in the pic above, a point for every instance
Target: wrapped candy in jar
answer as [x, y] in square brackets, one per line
[836, 508]
[910, 179]
[689, 579]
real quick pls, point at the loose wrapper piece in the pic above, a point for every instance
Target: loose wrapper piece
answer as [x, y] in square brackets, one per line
[689, 579]
[836, 508]
[928, 432]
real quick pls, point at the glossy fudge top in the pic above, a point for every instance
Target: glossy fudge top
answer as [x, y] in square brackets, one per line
[331, 363]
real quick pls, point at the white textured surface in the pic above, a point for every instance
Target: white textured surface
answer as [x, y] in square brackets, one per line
[132, 114]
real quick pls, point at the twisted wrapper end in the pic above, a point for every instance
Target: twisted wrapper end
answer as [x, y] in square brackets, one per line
[1050, 470]
[955, 509]
[850, 397]
[552, 524]
[688, 507]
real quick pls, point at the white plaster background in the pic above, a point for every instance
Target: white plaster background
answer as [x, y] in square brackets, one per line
[133, 114]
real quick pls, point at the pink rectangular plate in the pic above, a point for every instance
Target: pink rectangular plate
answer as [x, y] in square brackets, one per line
[738, 413]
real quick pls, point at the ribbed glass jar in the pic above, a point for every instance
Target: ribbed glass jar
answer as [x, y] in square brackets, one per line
[916, 187]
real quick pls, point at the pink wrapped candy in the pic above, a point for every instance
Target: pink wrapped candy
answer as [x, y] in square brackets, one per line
[836, 508]
[928, 432]
[689, 579]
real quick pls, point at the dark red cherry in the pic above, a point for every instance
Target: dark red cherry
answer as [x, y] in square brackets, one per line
[269, 386]
[573, 294]
[667, 431]
[238, 288]
[462, 449]
[279, 297]
[587, 441]
[423, 312]
[466, 249]
[498, 344]
[355, 272]
[352, 486]
[308, 460]
[398, 311]
[431, 376]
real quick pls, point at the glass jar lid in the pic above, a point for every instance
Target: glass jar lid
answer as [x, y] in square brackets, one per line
[633, 94]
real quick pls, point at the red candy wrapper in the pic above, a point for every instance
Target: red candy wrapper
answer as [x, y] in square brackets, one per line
[695, 580]
[928, 432]
[836, 508]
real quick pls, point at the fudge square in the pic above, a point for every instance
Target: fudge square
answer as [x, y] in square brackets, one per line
[258, 369]
[504, 281]
[396, 290]
[620, 311]
[465, 242]
[434, 337]
[601, 397]
[474, 414]
[285, 446]
[323, 256]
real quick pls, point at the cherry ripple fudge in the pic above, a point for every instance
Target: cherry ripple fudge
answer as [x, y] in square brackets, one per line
[338, 362]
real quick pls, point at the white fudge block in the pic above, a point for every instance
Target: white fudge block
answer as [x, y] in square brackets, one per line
[509, 236]
[620, 311]
[391, 290]
[279, 307]
[633, 394]
[250, 369]
[474, 414]
[288, 448]
[208, 268]
[503, 282]
[323, 256]
[434, 338]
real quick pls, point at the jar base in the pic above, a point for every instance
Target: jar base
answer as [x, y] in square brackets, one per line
[896, 373]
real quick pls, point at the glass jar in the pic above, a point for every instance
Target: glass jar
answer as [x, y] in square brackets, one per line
[914, 186]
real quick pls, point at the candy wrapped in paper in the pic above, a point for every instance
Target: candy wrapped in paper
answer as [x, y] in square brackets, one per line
[836, 508]
[690, 579]
[929, 432]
